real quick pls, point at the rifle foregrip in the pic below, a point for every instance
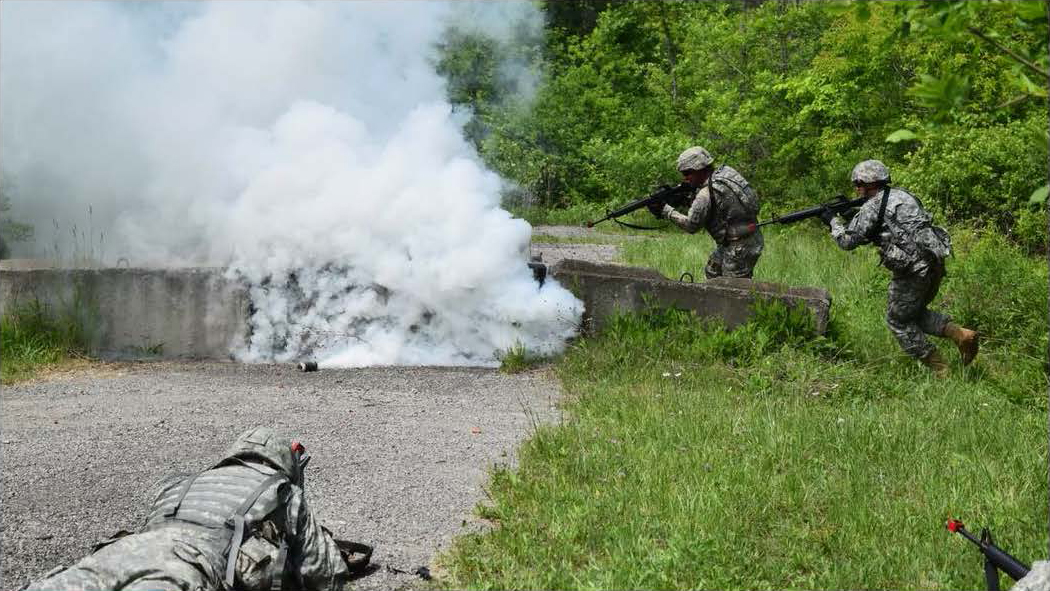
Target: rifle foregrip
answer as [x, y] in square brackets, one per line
[1004, 562]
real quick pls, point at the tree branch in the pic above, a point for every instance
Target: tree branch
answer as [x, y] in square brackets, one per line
[1008, 52]
[1014, 101]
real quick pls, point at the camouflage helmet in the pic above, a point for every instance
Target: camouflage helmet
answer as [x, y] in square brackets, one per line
[265, 443]
[869, 172]
[695, 158]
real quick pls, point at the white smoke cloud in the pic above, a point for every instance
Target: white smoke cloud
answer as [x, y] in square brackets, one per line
[307, 146]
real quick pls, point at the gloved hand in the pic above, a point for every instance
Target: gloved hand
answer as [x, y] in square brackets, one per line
[657, 209]
[826, 216]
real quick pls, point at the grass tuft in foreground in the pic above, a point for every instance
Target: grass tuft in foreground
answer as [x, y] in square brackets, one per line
[518, 359]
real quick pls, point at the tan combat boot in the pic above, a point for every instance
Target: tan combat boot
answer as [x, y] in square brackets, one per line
[967, 340]
[936, 363]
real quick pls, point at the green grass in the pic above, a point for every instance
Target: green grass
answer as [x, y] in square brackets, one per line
[518, 359]
[766, 457]
[33, 337]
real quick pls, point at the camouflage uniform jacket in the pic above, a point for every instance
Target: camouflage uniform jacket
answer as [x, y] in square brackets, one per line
[726, 206]
[907, 240]
[186, 549]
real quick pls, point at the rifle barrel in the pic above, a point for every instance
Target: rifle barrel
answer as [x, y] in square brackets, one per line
[660, 195]
[837, 206]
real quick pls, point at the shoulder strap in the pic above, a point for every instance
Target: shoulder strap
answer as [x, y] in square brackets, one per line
[237, 521]
[873, 234]
[182, 495]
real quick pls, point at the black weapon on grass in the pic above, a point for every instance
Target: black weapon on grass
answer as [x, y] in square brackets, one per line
[995, 558]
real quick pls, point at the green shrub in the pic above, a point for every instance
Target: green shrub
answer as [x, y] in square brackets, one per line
[33, 335]
[981, 175]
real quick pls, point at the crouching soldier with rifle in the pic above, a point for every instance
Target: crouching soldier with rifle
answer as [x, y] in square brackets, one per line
[914, 250]
[242, 524]
[724, 204]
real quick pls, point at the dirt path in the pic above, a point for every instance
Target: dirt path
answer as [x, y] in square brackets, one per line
[400, 455]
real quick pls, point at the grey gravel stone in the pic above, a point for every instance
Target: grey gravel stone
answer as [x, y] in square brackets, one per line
[400, 455]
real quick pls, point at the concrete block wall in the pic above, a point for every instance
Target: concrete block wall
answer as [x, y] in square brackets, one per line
[173, 313]
[608, 289]
[197, 313]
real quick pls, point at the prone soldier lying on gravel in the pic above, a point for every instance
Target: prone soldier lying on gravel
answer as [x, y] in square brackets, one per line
[241, 524]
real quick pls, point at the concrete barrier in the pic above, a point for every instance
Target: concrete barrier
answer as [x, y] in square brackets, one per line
[173, 313]
[607, 289]
[198, 313]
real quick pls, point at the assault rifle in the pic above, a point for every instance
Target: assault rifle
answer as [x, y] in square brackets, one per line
[838, 206]
[995, 558]
[674, 196]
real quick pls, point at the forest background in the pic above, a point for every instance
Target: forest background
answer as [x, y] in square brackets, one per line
[790, 93]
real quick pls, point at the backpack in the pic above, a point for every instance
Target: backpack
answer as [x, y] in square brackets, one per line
[260, 562]
[257, 555]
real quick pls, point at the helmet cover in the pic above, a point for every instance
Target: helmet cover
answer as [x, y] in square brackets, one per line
[695, 158]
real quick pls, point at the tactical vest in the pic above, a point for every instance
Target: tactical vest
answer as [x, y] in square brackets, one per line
[247, 502]
[905, 233]
[734, 206]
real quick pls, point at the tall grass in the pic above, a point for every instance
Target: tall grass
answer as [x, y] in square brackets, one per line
[34, 335]
[767, 457]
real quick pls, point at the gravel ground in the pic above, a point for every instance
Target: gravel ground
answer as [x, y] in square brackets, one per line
[400, 455]
[552, 252]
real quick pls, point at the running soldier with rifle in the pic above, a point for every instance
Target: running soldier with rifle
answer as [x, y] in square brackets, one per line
[914, 250]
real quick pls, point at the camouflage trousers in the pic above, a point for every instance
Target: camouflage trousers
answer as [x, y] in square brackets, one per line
[907, 314]
[735, 259]
[166, 559]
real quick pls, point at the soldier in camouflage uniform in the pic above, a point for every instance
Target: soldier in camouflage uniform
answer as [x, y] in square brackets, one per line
[252, 500]
[913, 249]
[726, 206]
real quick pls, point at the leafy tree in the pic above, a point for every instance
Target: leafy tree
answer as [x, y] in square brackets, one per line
[791, 94]
[1014, 37]
[10, 231]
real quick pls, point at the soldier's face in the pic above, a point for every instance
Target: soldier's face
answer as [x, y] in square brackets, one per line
[866, 189]
[694, 177]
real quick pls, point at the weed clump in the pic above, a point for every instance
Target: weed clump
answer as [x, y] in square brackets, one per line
[33, 335]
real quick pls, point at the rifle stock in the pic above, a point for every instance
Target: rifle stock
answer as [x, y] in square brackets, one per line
[674, 196]
[839, 205]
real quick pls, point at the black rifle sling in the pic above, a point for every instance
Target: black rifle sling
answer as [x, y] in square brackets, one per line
[237, 521]
[877, 227]
[636, 227]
